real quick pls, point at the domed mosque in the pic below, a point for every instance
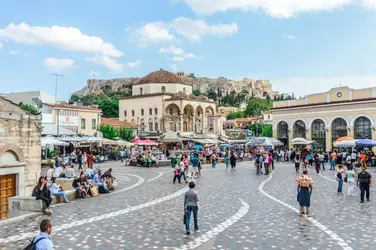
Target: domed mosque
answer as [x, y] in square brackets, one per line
[163, 102]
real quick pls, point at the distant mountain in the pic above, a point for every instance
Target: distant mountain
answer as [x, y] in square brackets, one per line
[257, 88]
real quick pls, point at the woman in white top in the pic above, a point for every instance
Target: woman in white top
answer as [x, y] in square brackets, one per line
[350, 175]
[57, 191]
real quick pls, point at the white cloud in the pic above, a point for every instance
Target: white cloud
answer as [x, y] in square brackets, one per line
[275, 8]
[289, 37]
[134, 64]
[155, 32]
[196, 29]
[108, 62]
[66, 38]
[93, 73]
[58, 64]
[177, 59]
[303, 86]
[174, 67]
[178, 54]
[14, 52]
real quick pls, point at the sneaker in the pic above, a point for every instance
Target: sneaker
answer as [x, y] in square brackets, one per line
[188, 233]
[361, 201]
[367, 199]
[197, 229]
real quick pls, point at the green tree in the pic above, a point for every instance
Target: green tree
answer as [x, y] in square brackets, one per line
[110, 108]
[234, 115]
[29, 108]
[108, 131]
[196, 92]
[212, 95]
[74, 98]
[267, 130]
[256, 106]
[126, 133]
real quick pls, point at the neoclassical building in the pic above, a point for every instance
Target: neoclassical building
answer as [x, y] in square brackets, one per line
[162, 102]
[324, 117]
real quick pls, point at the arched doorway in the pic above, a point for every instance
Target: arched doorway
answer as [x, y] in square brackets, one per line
[299, 129]
[339, 128]
[185, 129]
[363, 128]
[283, 132]
[319, 134]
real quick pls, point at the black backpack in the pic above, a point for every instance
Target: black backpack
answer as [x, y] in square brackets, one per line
[33, 245]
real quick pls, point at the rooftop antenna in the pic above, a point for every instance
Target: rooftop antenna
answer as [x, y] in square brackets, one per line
[56, 77]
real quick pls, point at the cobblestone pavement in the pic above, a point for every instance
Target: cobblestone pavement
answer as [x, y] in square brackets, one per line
[239, 210]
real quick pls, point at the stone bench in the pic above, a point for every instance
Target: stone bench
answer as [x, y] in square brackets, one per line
[29, 203]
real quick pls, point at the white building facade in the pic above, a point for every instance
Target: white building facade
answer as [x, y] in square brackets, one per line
[162, 102]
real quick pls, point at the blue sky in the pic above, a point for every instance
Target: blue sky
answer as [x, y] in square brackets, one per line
[301, 46]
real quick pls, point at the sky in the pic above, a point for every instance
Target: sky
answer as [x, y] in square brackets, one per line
[301, 46]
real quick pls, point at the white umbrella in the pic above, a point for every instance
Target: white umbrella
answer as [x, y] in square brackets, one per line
[49, 141]
[264, 141]
[124, 143]
[109, 142]
[299, 140]
[344, 144]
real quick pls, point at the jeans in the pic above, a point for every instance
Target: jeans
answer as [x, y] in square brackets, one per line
[227, 165]
[266, 165]
[332, 164]
[79, 165]
[61, 193]
[364, 188]
[182, 176]
[102, 184]
[340, 184]
[323, 165]
[188, 217]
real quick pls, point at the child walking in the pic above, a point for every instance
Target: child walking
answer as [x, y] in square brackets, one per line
[177, 174]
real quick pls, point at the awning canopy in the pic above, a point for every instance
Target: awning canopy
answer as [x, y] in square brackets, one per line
[49, 141]
[264, 141]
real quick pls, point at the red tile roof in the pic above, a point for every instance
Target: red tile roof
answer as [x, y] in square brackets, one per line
[161, 76]
[117, 123]
[64, 106]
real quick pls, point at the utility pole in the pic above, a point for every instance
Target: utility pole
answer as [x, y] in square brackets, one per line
[56, 77]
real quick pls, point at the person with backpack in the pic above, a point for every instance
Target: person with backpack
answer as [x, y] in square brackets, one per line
[43, 240]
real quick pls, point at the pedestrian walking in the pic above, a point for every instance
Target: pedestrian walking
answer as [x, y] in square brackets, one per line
[191, 204]
[233, 161]
[322, 160]
[333, 158]
[183, 170]
[43, 240]
[339, 178]
[177, 174]
[317, 162]
[297, 164]
[266, 163]
[350, 180]
[258, 162]
[304, 193]
[227, 160]
[364, 182]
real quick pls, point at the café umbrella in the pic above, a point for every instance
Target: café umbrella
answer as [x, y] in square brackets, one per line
[365, 143]
[298, 141]
[344, 143]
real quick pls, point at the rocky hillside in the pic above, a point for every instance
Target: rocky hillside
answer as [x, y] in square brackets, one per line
[259, 88]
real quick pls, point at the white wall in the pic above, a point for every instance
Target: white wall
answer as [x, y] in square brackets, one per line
[27, 97]
[152, 88]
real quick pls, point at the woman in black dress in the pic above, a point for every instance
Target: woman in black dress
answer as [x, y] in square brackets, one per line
[43, 193]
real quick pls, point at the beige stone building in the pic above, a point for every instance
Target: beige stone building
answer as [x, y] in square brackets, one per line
[19, 152]
[162, 102]
[78, 119]
[324, 117]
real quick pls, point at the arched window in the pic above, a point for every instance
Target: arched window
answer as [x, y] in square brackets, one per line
[141, 91]
[150, 124]
[184, 90]
[156, 111]
[363, 128]
[170, 111]
[179, 126]
[125, 113]
[163, 89]
[156, 126]
[299, 129]
[150, 111]
[133, 121]
[339, 128]
[171, 125]
[319, 133]
[142, 111]
[142, 123]
[132, 112]
[283, 132]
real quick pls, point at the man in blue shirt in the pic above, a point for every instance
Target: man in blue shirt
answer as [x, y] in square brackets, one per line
[45, 230]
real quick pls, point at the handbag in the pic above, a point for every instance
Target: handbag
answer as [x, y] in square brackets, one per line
[184, 218]
[345, 180]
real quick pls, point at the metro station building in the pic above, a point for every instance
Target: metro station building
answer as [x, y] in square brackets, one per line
[324, 117]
